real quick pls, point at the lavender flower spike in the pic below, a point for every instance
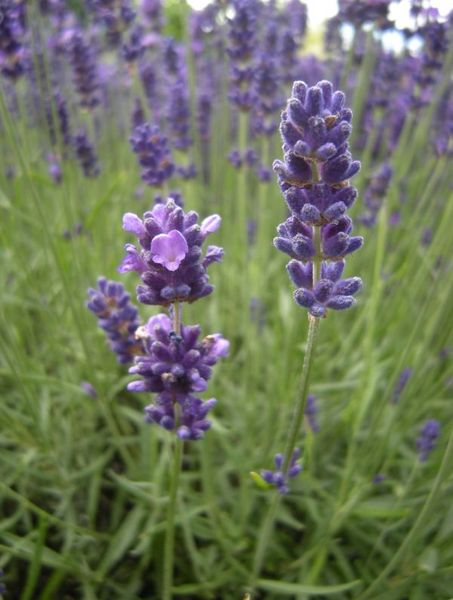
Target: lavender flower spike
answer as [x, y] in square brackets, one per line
[278, 478]
[153, 153]
[314, 179]
[170, 261]
[118, 317]
[427, 439]
[176, 367]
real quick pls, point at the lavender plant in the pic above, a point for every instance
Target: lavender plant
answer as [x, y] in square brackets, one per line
[314, 179]
[86, 488]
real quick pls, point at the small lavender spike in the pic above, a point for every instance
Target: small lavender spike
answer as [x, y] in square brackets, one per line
[426, 441]
[118, 317]
[278, 478]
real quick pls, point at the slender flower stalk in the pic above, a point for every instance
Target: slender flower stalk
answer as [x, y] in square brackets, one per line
[314, 179]
[174, 485]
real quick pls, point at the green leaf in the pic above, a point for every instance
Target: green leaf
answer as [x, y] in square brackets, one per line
[299, 588]
[123, 539]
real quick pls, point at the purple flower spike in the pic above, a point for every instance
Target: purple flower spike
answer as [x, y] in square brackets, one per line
[118, 317]
[427, 439]
[314, 178]
[401, 384]
[175, 366]
[169, 249]
[153, 153]
[311, 410]
[278, 478]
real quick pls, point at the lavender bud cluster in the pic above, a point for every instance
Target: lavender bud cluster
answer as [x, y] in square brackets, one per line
[314, 179]
[279, 477]
[241, 47]
[375, 193]
[12, 30]
[426, 441]
[176, 366]
[154, 154]
[118, 317]
[86, 154]
[84, 66]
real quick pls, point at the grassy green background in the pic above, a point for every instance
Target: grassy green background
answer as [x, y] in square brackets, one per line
[84, 482]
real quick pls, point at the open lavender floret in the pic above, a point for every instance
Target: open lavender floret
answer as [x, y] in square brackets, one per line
[170, 260]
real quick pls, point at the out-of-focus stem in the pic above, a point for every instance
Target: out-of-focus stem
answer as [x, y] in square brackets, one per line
[169, 547]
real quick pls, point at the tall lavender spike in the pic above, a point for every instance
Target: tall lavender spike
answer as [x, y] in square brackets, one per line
[170, 262]
[314, 178]
[427, 439]
[241, 47]
[153, 153]
[176, 366]
[118, 317]
[85, 75]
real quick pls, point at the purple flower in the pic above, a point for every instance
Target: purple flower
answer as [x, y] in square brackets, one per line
[314, 180]
[86, 154]
[401, 384]
[89, 390]
[13, 56]
[153, 154]
[176, 366]
[169, 249]
[85, 75]
[375, 194]
[170, 262]
[54, 168]
[118, 317]
[426, 441]
[241, 47]
[311, 410]
[279, 478]
[152, 13]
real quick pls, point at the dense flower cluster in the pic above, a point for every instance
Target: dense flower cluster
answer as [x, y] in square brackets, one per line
[85, 74]
[241, 46]
[13, 55]
[86, 154]
[279, 478]
[170, 261]
[176, 366]
[426, 441]
[314, 178]
[118, 317]
[154, 154]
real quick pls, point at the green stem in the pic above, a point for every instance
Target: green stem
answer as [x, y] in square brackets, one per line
[299, 411]
[170, 529]
[296, 423]
[169, 546]
[444, 469]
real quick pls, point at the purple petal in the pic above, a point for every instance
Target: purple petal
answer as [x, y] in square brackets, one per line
[169, 249]
[133, 224]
